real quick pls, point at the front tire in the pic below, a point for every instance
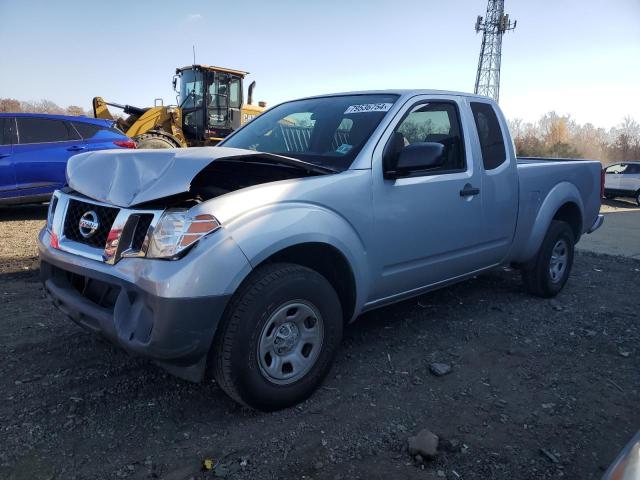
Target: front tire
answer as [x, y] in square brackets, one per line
[154, 141]
[278, 337]
[546, 274]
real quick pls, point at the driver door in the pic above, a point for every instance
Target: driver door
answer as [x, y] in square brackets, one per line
[426, 229]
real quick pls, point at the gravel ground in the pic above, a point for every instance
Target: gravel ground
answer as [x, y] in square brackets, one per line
[538, 389]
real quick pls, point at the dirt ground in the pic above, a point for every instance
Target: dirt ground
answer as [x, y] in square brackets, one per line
[538, 389]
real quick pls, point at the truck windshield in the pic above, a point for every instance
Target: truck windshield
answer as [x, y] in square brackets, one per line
[191, 89]
[326, 131]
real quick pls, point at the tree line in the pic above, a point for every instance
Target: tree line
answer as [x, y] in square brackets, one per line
[555, 135]
[11, 105]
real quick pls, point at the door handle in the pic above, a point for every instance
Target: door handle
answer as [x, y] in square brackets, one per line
[76, 148]
[469, 191]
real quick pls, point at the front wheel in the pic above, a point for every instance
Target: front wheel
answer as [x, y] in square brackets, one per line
[154, 141]
[546, 274]
[278, 337]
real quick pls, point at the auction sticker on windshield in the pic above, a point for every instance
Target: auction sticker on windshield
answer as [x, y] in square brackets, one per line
[368, 107]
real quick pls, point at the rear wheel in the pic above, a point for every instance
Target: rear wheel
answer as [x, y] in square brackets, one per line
[153, 140]
[546, 274]
[278, 337]
[638, 198]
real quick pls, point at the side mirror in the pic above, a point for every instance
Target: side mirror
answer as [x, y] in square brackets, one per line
[174, 82]
[417, 156]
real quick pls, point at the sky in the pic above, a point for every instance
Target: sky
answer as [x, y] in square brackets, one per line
[577, 57]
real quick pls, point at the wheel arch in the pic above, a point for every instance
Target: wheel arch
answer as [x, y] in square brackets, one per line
[570, 213]
[563, 202]
[329, 262]
[297, 233]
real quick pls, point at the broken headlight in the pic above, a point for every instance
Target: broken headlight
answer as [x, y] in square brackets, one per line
[177, 231]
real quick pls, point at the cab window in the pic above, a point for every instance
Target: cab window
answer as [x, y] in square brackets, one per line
[490, 135]
[436, 122]
[616, 169]
[234, 93]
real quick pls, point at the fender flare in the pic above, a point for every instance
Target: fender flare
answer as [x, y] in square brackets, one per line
[559, 195]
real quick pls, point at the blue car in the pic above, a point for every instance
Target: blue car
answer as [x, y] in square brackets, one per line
[34, 149]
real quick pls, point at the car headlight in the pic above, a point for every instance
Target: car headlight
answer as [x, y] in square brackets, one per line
[177, 231]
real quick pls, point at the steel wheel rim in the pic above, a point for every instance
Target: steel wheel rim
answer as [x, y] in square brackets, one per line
[290, 342]
[559, 260]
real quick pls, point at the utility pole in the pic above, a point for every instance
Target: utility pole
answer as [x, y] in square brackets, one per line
[493, 25]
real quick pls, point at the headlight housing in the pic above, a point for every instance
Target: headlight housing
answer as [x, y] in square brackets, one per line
[177, 231]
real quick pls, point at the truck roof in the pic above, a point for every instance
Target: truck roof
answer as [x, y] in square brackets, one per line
[403, 92]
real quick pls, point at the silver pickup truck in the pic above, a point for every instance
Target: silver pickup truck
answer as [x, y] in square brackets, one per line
[245, 261]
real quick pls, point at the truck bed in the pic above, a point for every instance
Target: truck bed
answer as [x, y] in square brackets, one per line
[542, 179]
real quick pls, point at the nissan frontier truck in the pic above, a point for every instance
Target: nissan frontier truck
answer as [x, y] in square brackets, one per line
[246, 260]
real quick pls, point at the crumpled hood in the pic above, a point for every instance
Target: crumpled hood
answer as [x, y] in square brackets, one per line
[131, 177]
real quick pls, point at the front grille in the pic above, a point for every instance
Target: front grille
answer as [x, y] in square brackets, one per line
[106, 217]
[140, 233]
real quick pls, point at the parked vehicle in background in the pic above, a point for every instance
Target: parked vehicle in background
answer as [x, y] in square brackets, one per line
[623, 180]
[34, 149]
[245, 261]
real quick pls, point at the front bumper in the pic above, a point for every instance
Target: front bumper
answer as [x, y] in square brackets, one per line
[176, 332]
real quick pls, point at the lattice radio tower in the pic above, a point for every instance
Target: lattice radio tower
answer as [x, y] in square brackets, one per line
[493, 26]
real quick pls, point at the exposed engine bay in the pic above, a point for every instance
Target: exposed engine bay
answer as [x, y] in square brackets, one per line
[178, 176]
[224, 176]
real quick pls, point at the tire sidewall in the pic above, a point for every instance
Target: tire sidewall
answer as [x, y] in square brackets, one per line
[557, 231]
[250, 383]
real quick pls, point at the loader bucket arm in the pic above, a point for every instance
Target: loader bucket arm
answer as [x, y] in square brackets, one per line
[101, 109]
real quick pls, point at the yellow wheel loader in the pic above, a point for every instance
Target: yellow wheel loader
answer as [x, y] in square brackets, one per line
[210, 106]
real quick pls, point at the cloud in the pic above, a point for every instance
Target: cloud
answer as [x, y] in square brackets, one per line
[193, 17]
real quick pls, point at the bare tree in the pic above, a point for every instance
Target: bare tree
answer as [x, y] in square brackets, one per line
[9, 105]
[75, 110]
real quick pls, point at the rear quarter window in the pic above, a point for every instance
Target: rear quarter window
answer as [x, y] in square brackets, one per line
[490, 134]
[90, 131]
[87, 130]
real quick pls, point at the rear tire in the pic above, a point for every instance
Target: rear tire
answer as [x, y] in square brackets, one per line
[546, 274]
[278, 337]
[155, 141]
[638, 198]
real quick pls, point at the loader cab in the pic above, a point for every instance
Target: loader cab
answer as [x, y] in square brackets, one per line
[211, 102]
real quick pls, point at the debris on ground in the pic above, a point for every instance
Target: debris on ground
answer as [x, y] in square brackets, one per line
[425, 444]
[439, 369]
